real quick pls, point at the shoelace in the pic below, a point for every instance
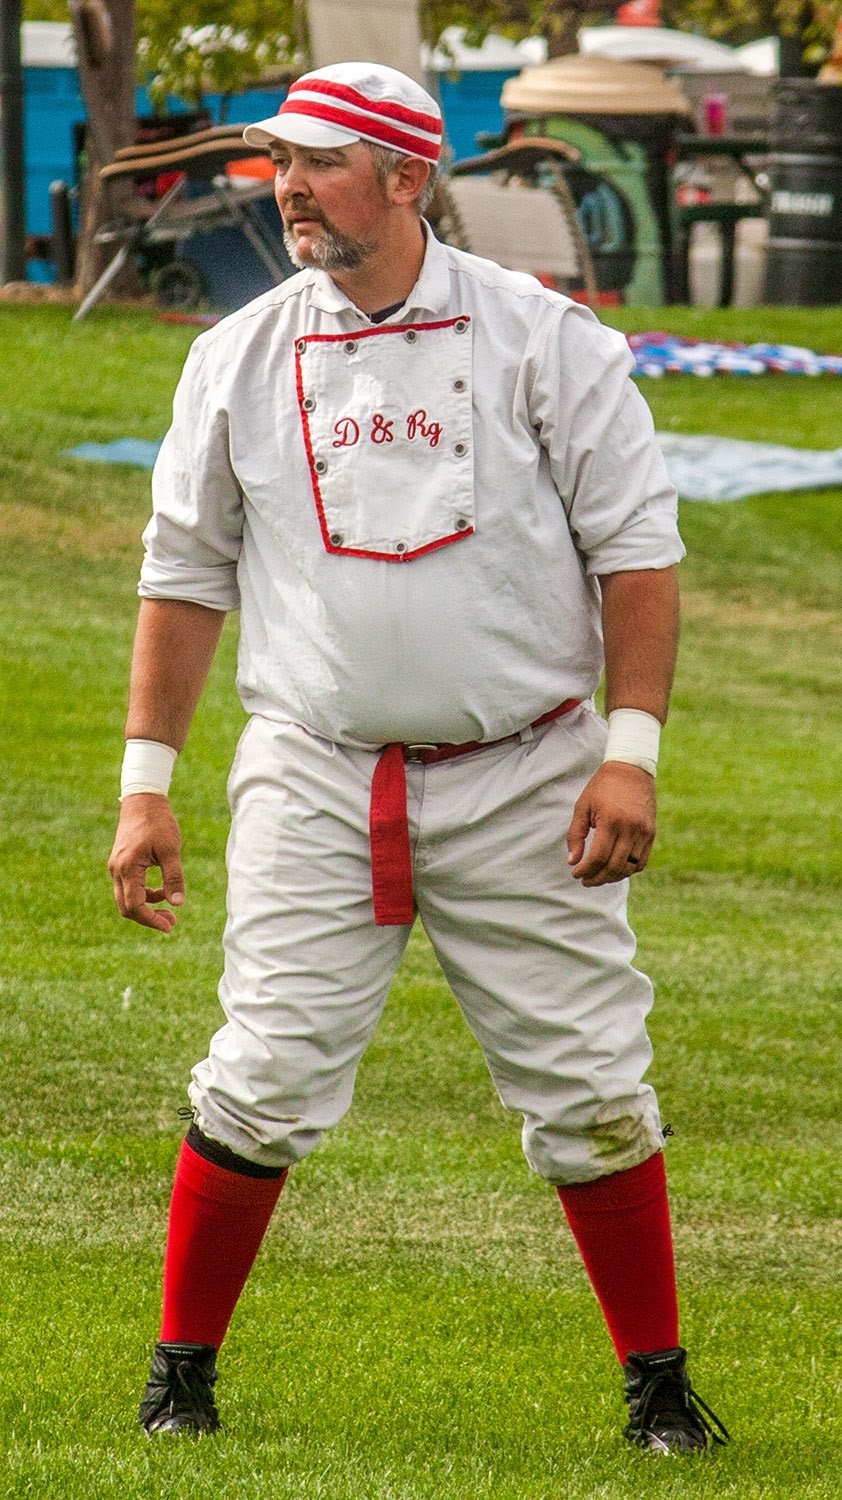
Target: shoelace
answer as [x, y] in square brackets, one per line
[680, 1398]
[193, 1383]
[696, 1402]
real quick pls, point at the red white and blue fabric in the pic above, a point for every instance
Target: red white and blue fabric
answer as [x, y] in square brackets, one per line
[380, 120]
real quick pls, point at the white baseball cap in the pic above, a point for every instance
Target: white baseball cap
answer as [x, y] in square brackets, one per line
[355, 101]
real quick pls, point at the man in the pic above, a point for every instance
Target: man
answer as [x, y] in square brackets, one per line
[431, 489]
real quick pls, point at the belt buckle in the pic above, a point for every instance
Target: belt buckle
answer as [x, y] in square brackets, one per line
[416, 752]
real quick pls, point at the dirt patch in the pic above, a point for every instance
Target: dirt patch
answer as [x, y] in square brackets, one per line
[77, 535]
[36, 292]
[738, 613]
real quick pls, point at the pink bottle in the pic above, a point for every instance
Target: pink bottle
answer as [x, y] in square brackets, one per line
[714, 112]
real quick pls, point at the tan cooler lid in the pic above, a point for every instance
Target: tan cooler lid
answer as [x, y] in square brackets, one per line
[587, 85]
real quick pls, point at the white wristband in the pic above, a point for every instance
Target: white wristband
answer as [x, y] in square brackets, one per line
[147, 767]
[634, 737]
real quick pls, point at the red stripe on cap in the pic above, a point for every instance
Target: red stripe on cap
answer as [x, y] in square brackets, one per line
[413, 117]
[384, 134]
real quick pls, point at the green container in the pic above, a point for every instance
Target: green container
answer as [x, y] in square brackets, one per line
[621, 189]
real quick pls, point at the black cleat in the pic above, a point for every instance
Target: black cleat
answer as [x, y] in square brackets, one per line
[179, 1392]
[666, 1415]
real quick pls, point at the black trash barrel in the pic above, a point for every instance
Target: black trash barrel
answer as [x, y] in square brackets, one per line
[804, 263]
[63, 246]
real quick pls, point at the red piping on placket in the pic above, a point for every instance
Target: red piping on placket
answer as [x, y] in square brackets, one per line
[379, 331]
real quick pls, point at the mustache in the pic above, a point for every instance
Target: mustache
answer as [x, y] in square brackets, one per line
[299, 209]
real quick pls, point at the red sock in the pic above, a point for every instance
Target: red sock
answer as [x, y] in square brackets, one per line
[621, 1224]
[217, 1221]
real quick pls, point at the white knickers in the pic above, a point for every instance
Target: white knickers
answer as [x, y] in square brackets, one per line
[541, 966]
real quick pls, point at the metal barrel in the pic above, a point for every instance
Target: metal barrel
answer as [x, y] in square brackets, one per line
[804, 259]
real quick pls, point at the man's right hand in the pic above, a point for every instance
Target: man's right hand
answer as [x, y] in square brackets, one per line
[147, 838]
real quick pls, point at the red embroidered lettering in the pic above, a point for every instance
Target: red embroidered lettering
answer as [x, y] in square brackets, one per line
[347, 433]
[416, 423]
[381, 430]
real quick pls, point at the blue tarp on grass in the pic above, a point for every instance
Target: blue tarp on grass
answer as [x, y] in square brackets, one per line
[700, 467]
[139, 452]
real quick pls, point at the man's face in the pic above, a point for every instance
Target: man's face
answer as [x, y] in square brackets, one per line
[333, 206]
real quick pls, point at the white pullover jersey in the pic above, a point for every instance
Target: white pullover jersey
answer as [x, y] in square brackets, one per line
[412, 516]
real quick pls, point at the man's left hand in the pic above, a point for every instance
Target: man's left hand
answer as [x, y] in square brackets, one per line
[618, 808]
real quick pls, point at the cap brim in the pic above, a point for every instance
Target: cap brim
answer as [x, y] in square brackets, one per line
[299, 131]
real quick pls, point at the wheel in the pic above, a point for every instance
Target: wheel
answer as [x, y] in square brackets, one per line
[179, 285]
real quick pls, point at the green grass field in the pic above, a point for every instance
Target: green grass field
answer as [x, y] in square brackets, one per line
[418, 1326]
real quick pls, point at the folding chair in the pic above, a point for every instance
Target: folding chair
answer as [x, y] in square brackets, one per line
[202, 197]
[516, 207]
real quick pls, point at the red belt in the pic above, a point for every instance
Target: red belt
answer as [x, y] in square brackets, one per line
[391, 860]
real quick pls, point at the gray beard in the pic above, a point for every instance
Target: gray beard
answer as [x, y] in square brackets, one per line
[332, 251]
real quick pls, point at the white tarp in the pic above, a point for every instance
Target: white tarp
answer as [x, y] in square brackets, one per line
[680, 49]
[47, 44]
[495, 54]
[657, 44]
[717, 468]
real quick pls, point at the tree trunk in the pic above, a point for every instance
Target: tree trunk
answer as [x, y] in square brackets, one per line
[301, 32]
[562, 19]
[105, 43]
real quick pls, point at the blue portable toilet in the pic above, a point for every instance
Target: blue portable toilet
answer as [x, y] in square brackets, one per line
[468, 82]
[52, 110]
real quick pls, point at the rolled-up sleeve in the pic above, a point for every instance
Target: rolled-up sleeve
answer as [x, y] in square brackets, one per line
[194, 538]
[600, 440]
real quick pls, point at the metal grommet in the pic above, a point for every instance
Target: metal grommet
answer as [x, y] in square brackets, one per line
[400, 548]
[320, 466]
[301, 346]
[336, 539]
[460, 449]
[350, 346]
[462, 524]
[410, 335]
[309, 403]
[460, 385]
[460, 325]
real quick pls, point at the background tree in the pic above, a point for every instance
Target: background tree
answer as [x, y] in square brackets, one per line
[216, 46]
[812, 22]
[105, 46]
[557, 20]
[728, 20]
